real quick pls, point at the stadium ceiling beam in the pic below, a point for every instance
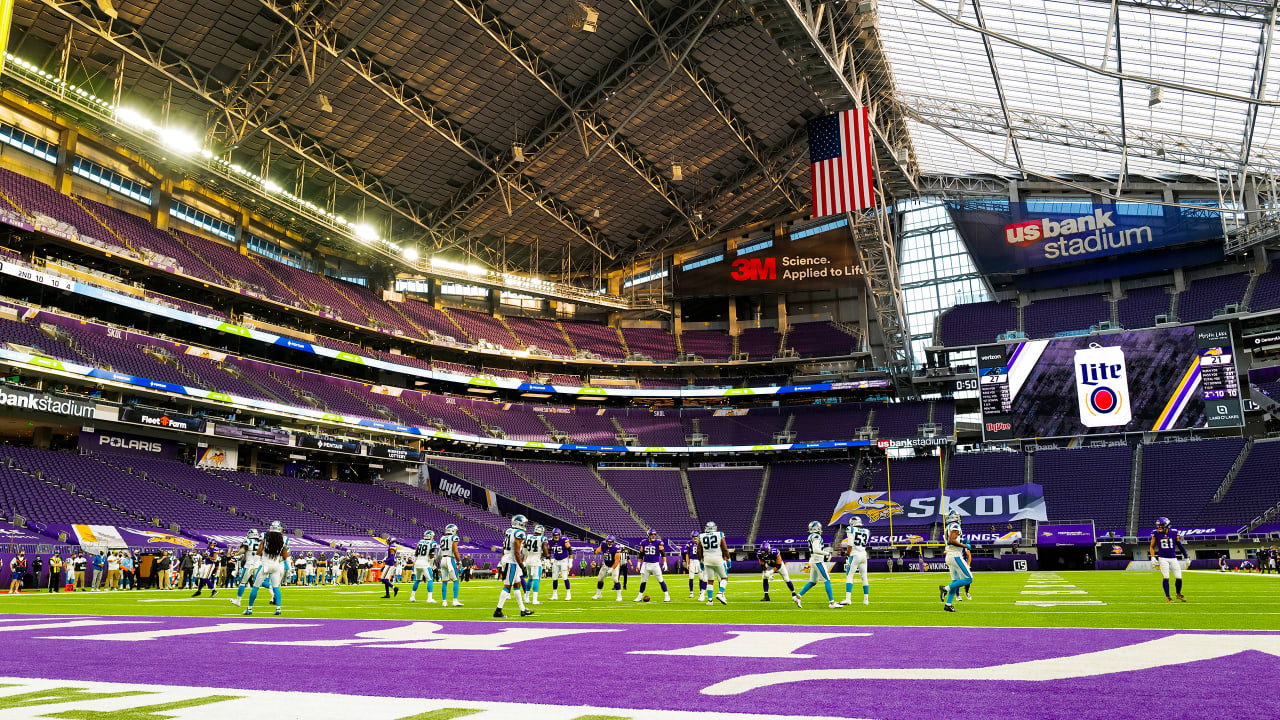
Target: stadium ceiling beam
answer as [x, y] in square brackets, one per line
[1089, 134]
[946, 185]
[591, 122]
[995, 77]
[1251, 10]
[722, 107]
[676, 25]
[398, 91]
[1260, 67]
[249, 79]
[824, 55]
[779, 159]
[155, 55]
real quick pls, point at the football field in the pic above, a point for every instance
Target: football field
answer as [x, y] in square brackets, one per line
[1028, 645]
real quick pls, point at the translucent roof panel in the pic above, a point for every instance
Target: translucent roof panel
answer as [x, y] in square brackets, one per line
[940, 153]
[1074, 113]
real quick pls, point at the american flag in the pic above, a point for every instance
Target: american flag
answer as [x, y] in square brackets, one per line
[840, 161]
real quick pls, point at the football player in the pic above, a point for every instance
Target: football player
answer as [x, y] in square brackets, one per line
[713, 553]
[388, 576]
[856, 542]
[690, 556]
[771, 562]
[274, 552]
[250, 561]
[956, 552]
[610, 559]
[450, 561]
[424, 557]
[1166, 543]
[533, 546]
[561, 561]
[513, 560]
[207, 573]
[817, 567]
[652, 554]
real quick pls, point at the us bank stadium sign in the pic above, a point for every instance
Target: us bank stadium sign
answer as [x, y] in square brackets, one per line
[915, 442]
[1006, 237]
[22, 399]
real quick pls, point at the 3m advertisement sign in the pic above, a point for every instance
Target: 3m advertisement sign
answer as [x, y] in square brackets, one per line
[1006, 237]
[816, 258]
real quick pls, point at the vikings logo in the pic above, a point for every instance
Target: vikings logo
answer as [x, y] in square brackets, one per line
[155, 537]
[870, 505]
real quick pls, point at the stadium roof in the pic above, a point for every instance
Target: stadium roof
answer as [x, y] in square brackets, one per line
[408, 111]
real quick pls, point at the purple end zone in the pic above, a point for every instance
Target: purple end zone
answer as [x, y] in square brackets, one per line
[873, 672]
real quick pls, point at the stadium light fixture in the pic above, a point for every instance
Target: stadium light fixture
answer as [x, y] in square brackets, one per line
[411, 254]
[324, 103]
[517, 152]
[364, 233]
[1156, 96]
[677, 172]
[179, 141]
[131, 117]
[590, 18]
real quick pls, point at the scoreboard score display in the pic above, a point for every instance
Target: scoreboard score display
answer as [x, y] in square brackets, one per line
[1153, 380]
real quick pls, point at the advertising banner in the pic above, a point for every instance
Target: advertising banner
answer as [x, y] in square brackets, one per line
[152, 417]
[13, 535]
[819, 257]
[224, 539]
[1174, 378]
[1006, 237]
[1195, 533]
[23, 399]
[219, 457]
[918, 507]
[274, 436]
[313, 442]
[111, 537]
[119, 443]
[1065, 535]
[392, 452]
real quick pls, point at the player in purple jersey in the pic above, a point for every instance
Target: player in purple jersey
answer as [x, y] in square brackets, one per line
[1165, 546]
[653, 552]
[692, 561]
[561, 562]
[389, 569]
[771, 562]
[610, 562]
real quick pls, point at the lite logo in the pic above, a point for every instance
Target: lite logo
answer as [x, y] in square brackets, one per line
[755, 269]
[1102, 387]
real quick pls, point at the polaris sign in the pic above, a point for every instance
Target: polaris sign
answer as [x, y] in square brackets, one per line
[1006, 237]
[20, 398]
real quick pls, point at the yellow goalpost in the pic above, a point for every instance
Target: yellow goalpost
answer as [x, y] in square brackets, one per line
[888, 476]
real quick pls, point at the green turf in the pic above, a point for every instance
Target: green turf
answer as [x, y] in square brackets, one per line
[1132, 600]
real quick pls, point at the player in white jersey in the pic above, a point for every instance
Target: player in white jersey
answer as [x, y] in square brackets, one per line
[533, 546]
[561, 561]
[250, 563]
[424, 559]
[817, 564]
[957, 549]
[856, 541]
[512, 566]
[713, 552]
[450, 562]
[274, 551]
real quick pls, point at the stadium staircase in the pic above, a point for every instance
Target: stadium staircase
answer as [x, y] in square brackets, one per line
[618, 426]
[235, 372]
[622, 340]
[462, 333]
[395, 307]
[165, 358]
[64, 338]
[226, 281]
[1233, 472]
[299, 393]
[759, 511]
[1113, 306]
[13, 205]
[515, 338]
[782, 342]
[1022, 318]
[473, 416]
[568, 340]
[124, 241]
[1028, 467]
[634, 516]
[574, 512]
[381, 411]
[733, 348]
[1135, 493]
[688, 491]
[679, 344]
[372, 321]
[1173, 303]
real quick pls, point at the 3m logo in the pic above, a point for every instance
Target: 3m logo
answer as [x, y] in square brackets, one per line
[755, 269]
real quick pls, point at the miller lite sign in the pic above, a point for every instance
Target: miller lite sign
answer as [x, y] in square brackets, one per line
[1102, 387]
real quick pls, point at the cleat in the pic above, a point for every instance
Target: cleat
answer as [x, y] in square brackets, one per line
[723, 600]
[195, 594]
[278, 609]
[1181, 599]
[526, 613]
[796, 600]
[690, 596]
[568, 595]
[213, 593]
[710, 603]
[596, 596]
[846, 602]
[430, 600]
[666, 598]
[834, 606]
[535, 602]
[395, 590]
[498, 613]
[948, 608]
[456, 603]
[235, 601]
[1168, 599]
[866, 600]
[967, 596]
[942, 592]
[555, 596]
[637, 599]
[247, 611]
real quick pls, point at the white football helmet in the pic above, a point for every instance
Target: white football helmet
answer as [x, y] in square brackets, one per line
[519, 521]
[276, 526]
[252, 534]
[450, 529]
[855, 522]
[953, 516]
[815, 526]
[429, 535]
[539, 530]
[711, 527]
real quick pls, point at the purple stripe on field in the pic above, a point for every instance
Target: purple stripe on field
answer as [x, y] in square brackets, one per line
[595, 666]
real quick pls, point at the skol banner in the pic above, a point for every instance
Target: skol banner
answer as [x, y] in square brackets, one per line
[918, 507]
[1006, 237]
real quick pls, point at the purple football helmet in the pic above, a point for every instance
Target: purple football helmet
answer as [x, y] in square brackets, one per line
[766, 547]
[611, 539]
[555, 532]
[1162, 522]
